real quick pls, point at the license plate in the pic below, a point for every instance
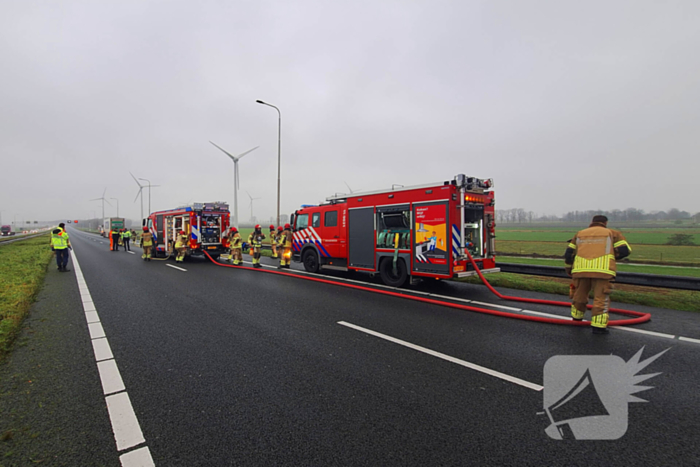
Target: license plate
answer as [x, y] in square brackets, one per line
[211, 248]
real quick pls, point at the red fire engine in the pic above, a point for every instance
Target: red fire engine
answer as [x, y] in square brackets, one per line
[205, 225]
[408, 232]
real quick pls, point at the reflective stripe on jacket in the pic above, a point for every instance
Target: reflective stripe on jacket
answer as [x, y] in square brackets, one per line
[593, 251]
[236, 241]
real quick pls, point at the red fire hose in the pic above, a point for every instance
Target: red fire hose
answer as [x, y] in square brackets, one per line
[641, 317]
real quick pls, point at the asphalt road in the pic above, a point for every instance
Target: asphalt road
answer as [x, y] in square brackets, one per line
[238, 367]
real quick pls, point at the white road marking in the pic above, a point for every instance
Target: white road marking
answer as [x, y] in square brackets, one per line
[644, 331]
[473, 366]
[548, 315]
[689, 339]
[96, 331]
[509, 308]
[101, 349]
[110, 377]
[91, 317]
[140, 457]
[175, 267]
[125, 425]
[131, 252]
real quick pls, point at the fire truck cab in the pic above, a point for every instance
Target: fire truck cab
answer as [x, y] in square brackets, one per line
[403, 233]
[205, 225]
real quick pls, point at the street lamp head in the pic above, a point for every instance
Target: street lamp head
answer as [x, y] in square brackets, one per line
[259, 101]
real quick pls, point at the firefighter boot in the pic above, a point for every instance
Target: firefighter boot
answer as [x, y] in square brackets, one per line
[576, 314]
[599, 323]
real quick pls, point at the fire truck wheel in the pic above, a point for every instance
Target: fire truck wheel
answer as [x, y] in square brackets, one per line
[386, 272]
[310, 260]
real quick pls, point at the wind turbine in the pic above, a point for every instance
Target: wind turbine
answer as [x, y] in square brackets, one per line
[140, 193]
[236, 179]
[251, 205]
[103, 203]
[149, 192]
[346, 184]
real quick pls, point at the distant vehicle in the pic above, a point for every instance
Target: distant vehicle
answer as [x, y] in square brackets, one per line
[6, 230]
[112, 223]
[75, 222]
[70, 222]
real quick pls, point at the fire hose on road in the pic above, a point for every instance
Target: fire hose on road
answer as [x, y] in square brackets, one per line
[639, 317]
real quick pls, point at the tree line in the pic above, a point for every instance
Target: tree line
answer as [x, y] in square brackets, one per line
[521, 216]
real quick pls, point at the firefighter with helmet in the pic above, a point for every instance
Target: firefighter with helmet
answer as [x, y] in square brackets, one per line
[181, 247]
[146, 244]
[590, 261]
[273, 241]
[279, 241]
[286, 246]
[236, 245]
[255, 240]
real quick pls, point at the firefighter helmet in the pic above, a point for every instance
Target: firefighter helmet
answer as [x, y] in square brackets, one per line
[145, 229]
[182, 233]
[257, 227]
[272, 227]
[234, 230]
[280, 229]
[287, 226]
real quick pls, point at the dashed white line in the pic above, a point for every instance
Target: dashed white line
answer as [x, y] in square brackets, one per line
[127, 431]
[125, 425]
[451, 298]
[110, 377]
[689, 339]
[175, 267]
[472, 366]
[131, 252]
[137, 458]
[510, 308]
[101, 349]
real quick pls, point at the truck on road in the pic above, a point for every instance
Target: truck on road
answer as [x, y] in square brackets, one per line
[112, 223]
[403, 233]
[6, 230]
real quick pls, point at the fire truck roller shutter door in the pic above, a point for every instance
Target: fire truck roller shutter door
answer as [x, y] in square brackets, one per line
[361, 237]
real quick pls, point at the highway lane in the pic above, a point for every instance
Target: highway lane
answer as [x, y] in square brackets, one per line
[237, 367]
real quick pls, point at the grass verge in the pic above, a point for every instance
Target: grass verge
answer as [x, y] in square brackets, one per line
[684, 300]
[22, 269]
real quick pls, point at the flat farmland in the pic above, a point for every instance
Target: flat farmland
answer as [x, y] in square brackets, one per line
[648, 244]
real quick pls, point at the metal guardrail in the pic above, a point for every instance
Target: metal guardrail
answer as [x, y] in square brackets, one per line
[631, 278]
[21, 237]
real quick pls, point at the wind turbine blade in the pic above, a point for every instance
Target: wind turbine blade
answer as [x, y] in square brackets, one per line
[224, 151]
[248, 151]
[346, 184]
[96, 199]
[104, 192]
[249, 195]
[237, 181]
[107, 202]
[154, 186]
[132, 176]
[137, 194]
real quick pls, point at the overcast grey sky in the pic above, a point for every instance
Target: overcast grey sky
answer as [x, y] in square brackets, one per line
[566, 105]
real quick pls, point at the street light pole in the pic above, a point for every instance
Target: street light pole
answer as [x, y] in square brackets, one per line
[117, 206]
[279, 153]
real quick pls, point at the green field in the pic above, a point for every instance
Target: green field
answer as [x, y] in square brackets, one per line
[633, 236]
[648, 243]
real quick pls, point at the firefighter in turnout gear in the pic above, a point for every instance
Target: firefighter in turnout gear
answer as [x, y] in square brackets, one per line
[181, 247]
[255, 240]
[285, 243]
[590, 261]
[273, 241]
[236, 244]
[146, 244]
